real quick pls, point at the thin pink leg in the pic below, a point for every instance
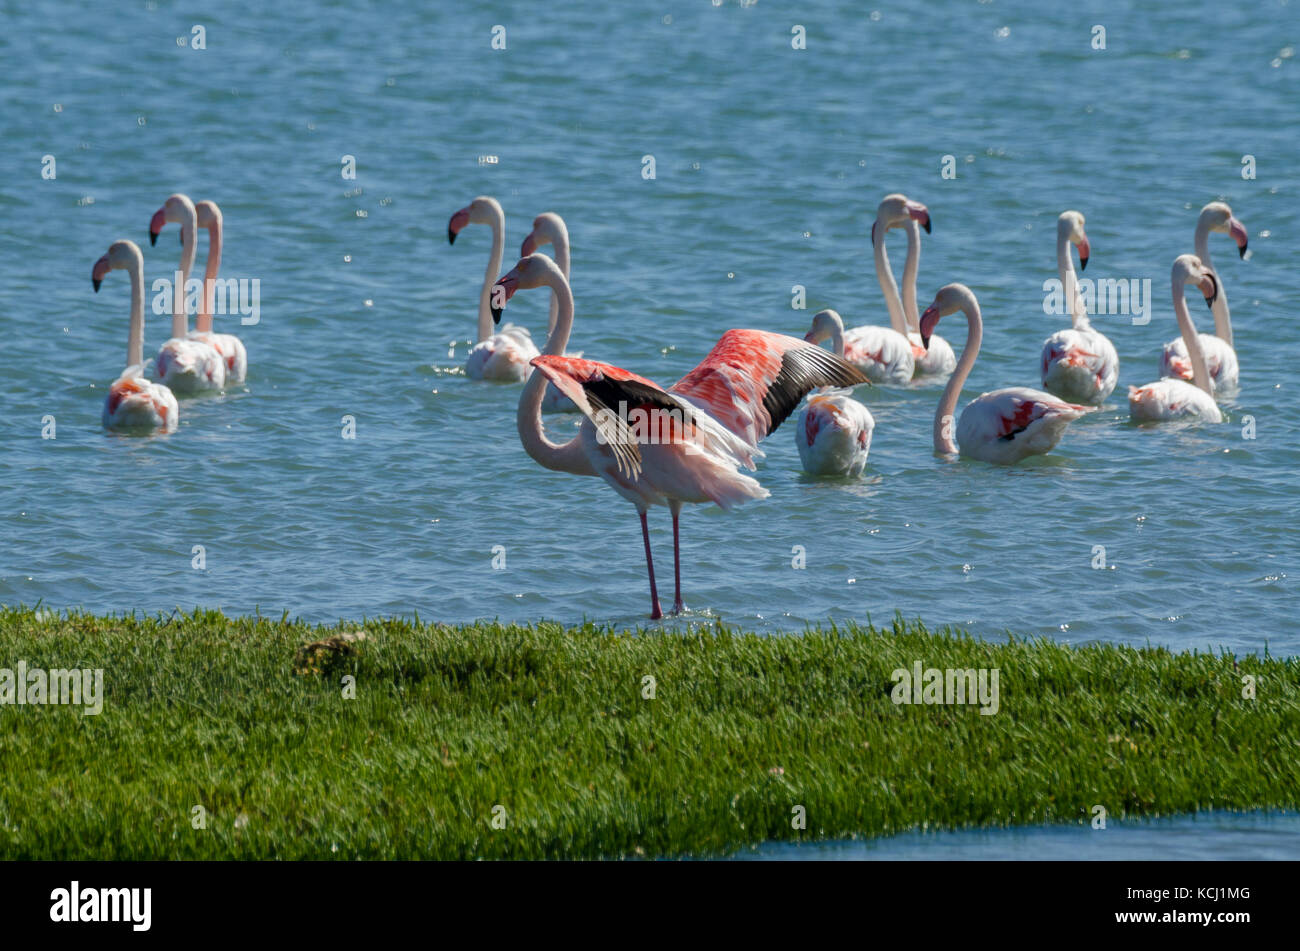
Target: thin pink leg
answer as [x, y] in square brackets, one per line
[678, 607]
[655, 612]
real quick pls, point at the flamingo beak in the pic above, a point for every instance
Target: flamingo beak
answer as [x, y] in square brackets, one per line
[1084, 251]
[98, 271]
[1238, 232]
[810, 337]
[502, 291]
[919, 213]
[873, 234]
[928, 321]
[459, 220]
[529, 245]
[1209, 286]
[156, 225]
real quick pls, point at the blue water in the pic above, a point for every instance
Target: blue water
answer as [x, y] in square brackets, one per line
[1218, 836]
[770, 162]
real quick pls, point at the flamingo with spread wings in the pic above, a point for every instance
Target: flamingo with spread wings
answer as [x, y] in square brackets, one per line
[657, 446]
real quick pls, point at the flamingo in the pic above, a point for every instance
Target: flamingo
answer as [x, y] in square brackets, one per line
[549, 228]
[939, 360]
[834, 430]
[704, 427]
[185, 365]
[1220, 357]
[1174, 398]
[501, 356]
[884, 354]
[1003, 426]
[1079, 364]
[229, 346]
[134, 404]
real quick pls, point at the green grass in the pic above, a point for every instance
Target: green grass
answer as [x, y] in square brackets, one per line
[550, 723]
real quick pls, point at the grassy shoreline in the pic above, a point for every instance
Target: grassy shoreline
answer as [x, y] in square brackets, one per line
[551, 724]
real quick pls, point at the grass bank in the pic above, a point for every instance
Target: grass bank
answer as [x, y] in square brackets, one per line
[553, 726]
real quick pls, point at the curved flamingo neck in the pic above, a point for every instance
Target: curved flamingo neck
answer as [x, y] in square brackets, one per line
[1070, 282]
[945, 420]
[498, 223]
[1200, 373]
[561, 244]
[911, 265]
[562, 457]
[837, 337]
[203, 323]
[135, 336]
[1222, 318]
[189, 247]
[886, 278]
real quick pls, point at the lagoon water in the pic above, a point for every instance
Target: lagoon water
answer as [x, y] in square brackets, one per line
[769, 162]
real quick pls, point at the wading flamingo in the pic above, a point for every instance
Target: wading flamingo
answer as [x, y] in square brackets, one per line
[702, 429]
[1172, 398]
[833, 433]
[1220, 357]
[501, 356]
[1079, 365]
[549, 228]
[133, 403]
[1003, 426]
[884, 354]
[185, 365]
[939, 360]
[229, 346]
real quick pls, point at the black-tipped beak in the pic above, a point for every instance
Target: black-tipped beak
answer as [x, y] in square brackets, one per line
[95, 282]
[1213, 295]
[496, 314]
[451, 236]
[1083, 262]
[153, 238]
[1241, 249]
[926, 224]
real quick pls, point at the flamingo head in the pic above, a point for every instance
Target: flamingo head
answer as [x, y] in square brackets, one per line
[1070, 224]
[1188, 269]
[894, 211]
[177, 209]
[209, 215]
[824, 325]
[548, 228]
[951, 298]
[481, 211]
[1220, 218]
[533, 270]
[122, 255]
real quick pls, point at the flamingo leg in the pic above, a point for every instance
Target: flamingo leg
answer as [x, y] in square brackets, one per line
[678, 607]
[655, 612]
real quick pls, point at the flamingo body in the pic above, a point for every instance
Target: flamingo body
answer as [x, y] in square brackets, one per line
[503, 357]
[834, 435]
[1220, 361]
[134, 404]
[1079, 365]
[190, 366]
[1008, 425]
[939, 360]
[231, 350]
[882, 354]
[1169, 399]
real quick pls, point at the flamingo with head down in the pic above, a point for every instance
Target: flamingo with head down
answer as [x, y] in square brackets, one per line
[134, 404]
[1004, 426]
[229, 346]
[833, 433]
[657, 446]
[1220, 356]
[185, 365]
[1080, 364]
[1173, 398]
[503, 355]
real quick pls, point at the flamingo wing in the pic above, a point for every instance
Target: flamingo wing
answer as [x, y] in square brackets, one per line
[610, 397]
[752, 380]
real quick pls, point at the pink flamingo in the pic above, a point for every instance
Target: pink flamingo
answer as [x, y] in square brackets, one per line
[666, 447]
[134, 403]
